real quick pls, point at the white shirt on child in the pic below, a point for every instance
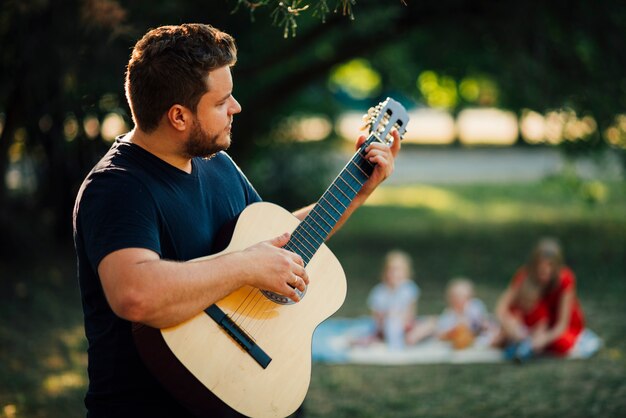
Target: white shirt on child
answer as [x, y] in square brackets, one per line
[383, 298]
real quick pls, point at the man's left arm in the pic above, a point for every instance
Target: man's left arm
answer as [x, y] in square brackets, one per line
[383, 157]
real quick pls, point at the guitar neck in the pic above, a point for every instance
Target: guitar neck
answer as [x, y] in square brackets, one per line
[318, 224]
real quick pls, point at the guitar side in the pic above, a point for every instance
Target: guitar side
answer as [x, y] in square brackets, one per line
[284, 332]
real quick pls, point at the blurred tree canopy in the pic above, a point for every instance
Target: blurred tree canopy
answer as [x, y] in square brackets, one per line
[63, 63]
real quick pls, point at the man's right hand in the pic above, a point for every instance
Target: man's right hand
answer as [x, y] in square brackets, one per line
[275, 268]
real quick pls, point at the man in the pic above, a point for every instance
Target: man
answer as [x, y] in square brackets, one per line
[157, 199]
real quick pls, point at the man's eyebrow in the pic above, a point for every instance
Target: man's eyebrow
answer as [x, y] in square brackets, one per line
[225, 97]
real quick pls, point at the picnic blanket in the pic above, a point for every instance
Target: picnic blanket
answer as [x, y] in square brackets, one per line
[333, 342]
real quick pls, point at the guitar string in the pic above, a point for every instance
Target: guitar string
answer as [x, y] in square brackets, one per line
[313, 212]
[331, 205]
[341, 191]
[302, 247]
[253, 303]
[306, 222]
[243, 305]
[249, 303]
[258, 295]
[297, 235]
[252, 312]
[259, 326]
[329, 214]
[320, 226]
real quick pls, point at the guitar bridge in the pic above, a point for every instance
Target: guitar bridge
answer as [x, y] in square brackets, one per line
[239, 335]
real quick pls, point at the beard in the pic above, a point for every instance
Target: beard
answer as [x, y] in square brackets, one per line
[202, 144]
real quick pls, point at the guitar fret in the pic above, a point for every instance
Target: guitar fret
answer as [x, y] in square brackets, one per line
[363, 158]
[348, 184]
[360, 169]
[320, 226]
[301, 238]
[306, 257]
[341, 191]
[331, 205]
[360, 162]
[357, 180]
[303, 228]
[322, 218]
[312, 244]
[313, 228]
[331, 216]
[335, 197]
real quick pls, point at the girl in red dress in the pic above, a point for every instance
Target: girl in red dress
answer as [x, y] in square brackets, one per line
[539, 311]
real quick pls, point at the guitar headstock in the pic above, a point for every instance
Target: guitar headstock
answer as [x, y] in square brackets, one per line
[385, 116]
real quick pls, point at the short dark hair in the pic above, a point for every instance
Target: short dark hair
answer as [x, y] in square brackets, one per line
[169, 66]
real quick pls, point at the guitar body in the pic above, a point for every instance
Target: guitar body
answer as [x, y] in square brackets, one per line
[284, 332]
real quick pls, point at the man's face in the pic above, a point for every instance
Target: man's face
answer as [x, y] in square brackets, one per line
[211, 127]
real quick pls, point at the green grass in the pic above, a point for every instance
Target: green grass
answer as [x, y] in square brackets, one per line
[480, 231]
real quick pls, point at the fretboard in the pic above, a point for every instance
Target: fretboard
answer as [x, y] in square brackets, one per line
[316, 227]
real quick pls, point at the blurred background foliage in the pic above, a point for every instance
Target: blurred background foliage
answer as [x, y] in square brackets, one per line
[62, 64]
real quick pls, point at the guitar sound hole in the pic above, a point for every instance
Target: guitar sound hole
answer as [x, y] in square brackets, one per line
[280, 299]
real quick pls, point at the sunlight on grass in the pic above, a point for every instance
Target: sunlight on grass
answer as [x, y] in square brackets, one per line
[540, 202]
[449, 203]
[68, 365]
[9, 411]
[482, 231]
[73, 337]
[58, 383]
[427, 197]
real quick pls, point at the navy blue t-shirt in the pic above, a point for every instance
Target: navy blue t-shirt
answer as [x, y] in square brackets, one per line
[133, 199]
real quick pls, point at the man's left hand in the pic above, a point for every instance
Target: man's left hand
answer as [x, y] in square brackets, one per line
[383, 157]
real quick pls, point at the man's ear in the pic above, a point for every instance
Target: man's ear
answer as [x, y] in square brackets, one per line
[179, 117]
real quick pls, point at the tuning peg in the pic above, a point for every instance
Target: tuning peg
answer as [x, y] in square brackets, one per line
[399, 128]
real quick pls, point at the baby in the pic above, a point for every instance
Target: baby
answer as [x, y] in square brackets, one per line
[465, 318]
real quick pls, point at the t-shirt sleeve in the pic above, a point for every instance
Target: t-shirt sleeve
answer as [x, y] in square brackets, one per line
[116, 211]
[376, 299]
[410, 293]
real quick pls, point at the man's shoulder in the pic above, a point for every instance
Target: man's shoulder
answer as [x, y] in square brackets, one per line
[119, 156]
[115, 173]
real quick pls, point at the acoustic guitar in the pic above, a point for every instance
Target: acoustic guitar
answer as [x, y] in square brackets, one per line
[252, 349]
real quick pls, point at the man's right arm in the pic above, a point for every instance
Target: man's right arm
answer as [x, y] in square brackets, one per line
[142, 287]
